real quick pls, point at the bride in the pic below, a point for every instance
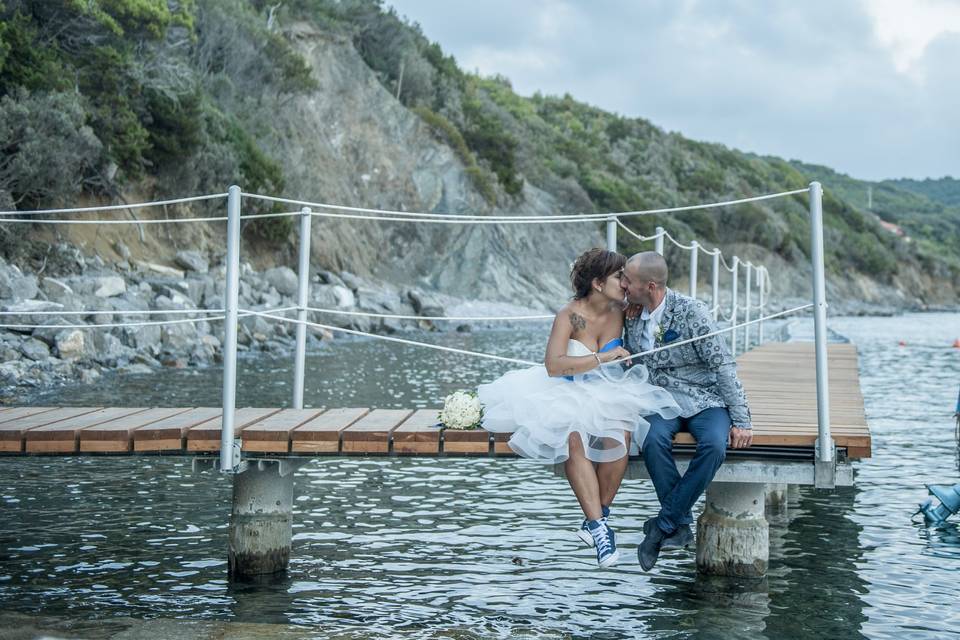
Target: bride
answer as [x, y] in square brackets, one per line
[577, 409]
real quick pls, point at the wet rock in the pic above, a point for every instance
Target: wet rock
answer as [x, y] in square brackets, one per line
[108, 349]
[35, 349]
[51, 327]
[161, 269]
[9, 354]
[122, 250]
[328, 277]
[135, 368]
[283, 279]
[177, 338]
[326, 296]
[192, 261]
[109, 286]
[56, 290]
[70, 344]
[26, 307]
[143, 338]
[351, 280]
[89, 376]
[464, 328]
[270, 298]
[14, 285]
[425, 304]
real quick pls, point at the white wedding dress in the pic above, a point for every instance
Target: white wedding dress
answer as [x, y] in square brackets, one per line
[600, 405]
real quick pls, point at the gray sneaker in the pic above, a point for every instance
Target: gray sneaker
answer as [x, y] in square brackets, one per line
[682, 538]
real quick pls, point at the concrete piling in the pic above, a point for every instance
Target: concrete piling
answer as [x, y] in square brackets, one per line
[733, 537]
[261, 522]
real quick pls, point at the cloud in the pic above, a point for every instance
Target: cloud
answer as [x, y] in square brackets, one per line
[826, 82]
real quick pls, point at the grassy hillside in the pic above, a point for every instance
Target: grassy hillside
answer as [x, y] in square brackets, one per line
[175, 95]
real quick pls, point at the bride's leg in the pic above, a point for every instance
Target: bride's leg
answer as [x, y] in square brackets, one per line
[582, 478]
[610, 475]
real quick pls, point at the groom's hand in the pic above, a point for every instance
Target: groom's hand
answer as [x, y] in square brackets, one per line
[632, 311]
[740, 438]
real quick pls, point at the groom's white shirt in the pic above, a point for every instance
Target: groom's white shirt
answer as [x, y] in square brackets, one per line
[652, 319]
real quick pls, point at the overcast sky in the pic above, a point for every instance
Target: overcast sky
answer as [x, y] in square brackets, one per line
[868, 87]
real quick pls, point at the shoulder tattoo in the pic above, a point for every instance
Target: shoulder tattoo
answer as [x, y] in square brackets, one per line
[578, 321]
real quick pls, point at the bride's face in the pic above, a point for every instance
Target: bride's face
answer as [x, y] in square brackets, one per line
[609, 287]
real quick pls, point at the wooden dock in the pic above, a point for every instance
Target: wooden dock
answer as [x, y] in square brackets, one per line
[779, 379]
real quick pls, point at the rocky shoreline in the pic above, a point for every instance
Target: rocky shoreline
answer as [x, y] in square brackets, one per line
[62, 350]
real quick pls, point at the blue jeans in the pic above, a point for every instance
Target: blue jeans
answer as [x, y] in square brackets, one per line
[711, 429]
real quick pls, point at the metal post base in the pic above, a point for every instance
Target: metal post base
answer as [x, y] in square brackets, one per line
[261, 522]
[733, 537]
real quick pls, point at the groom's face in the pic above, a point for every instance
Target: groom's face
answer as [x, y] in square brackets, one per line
[635, 289]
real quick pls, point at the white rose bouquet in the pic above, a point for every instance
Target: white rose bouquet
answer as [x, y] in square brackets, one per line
[461, 410]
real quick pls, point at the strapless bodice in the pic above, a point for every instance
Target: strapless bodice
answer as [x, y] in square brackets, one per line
[577, 348]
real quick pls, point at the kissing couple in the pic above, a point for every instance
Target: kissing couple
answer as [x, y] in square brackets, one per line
[600, 389]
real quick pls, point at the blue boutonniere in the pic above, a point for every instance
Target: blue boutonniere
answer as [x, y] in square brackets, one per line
[669, 336]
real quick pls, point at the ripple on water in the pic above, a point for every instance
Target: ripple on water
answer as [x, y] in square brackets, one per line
[475, 547]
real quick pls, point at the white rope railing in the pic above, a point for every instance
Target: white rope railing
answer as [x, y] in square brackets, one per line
[463, 217]
[397, 316]
[102, 221]
[637, 235]
[114, 207]
[317, 325]
[111, 325]
[490, 356]
[687, 247]
[144, 323]
[116, 312]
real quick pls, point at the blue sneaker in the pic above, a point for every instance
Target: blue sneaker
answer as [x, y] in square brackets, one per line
[605, 541]
[584, 533]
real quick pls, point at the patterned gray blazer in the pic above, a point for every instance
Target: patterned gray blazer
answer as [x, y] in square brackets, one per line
[699, 375]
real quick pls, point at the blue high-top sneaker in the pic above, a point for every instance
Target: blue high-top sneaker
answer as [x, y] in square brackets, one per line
[584, 534]
[605, 541]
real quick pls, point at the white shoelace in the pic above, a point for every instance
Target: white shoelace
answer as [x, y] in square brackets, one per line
[602, 539]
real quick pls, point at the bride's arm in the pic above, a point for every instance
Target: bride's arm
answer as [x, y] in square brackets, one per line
[557, 362]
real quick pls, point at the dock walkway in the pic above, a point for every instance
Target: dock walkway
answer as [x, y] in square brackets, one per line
[778, 378]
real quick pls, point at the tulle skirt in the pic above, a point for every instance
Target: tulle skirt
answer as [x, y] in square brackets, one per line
[601, 406]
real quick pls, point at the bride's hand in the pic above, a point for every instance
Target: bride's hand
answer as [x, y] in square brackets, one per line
[613, 354]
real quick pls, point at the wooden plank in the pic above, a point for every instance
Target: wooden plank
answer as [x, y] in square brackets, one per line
[168, 435]
[63, 436]
[371, 434]
[420, 433]
[10, 414]
[205, 437]
[467, 441]
[12, 432]
[116, 436]
[501, 446]
[322, 434]
[272, 434]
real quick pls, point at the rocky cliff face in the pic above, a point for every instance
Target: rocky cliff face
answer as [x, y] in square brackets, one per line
[351, 143]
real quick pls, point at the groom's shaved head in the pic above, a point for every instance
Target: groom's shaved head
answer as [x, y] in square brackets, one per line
[648, 266]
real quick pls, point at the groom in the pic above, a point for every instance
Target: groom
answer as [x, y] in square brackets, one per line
[702, 378]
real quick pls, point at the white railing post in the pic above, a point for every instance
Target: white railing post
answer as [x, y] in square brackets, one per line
[746, 307]
[762, 276]
[303, 294]
[733, 306]
[231, 302]
[612, 234]
[825, 469]
[658, 241]
[694, 254]
[716, 284]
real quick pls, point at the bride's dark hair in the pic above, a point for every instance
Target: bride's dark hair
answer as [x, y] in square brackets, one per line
[595, 263]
